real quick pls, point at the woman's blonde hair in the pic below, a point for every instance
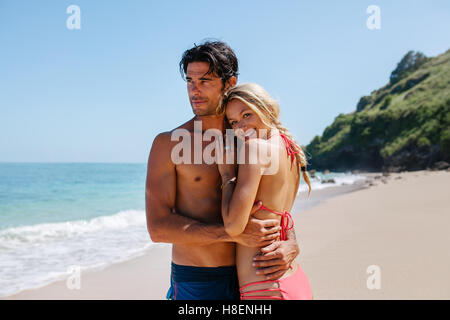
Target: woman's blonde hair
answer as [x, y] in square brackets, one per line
[268, 110]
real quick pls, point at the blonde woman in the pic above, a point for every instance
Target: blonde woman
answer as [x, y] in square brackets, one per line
[254, 117]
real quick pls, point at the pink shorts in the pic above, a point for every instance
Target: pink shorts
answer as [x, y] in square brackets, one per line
[293, 287]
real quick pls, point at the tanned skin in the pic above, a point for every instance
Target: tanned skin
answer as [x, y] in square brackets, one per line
[183, 201]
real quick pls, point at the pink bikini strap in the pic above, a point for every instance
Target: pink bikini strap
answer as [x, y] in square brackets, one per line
[285, 219]
[256, 282]
[245, 295]
[291, 147]
[286, 223]
[267, 209]
[261, 297]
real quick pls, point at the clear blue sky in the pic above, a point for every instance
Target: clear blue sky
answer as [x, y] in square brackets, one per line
[102, 93]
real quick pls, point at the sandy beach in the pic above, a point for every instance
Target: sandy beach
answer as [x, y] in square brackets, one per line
[398, 224]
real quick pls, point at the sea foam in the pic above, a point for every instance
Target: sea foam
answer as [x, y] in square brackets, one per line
[340, 179]
[33, 256]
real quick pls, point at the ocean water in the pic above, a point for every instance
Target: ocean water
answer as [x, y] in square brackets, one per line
[321, 180]
[53, 216]
[57, 215]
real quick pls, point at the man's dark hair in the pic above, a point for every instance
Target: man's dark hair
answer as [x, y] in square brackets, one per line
[221, 58]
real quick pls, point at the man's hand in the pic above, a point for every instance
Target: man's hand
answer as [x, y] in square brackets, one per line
[275, 259]
[259, 233]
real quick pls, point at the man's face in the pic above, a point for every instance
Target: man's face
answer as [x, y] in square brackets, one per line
[205, 90]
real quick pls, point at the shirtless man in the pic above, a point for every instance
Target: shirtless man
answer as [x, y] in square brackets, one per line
[183, 201]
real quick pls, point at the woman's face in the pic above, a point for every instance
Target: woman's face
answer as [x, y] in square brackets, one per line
[244, 121]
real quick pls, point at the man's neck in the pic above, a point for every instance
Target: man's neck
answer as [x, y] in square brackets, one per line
[211, 122]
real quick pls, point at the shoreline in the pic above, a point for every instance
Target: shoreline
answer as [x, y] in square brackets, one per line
[398, 225]
[325, 224]
[112, 282]
[47, 289]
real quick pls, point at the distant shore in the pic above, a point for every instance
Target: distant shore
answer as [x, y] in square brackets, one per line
[398, 223]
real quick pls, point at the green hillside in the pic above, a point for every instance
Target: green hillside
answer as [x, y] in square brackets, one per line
[404, 125]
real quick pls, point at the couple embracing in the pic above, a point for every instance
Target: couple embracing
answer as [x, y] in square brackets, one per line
[228, 221]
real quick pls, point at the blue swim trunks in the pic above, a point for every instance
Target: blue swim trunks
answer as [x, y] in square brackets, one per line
[203, 283]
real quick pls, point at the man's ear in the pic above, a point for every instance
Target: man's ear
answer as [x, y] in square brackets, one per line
[230, 83]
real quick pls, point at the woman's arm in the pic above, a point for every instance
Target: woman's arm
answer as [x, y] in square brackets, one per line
[238, 197]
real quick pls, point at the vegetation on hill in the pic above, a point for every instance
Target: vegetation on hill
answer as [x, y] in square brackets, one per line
[404, 125]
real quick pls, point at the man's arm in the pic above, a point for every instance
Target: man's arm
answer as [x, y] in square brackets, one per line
[165, 225]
